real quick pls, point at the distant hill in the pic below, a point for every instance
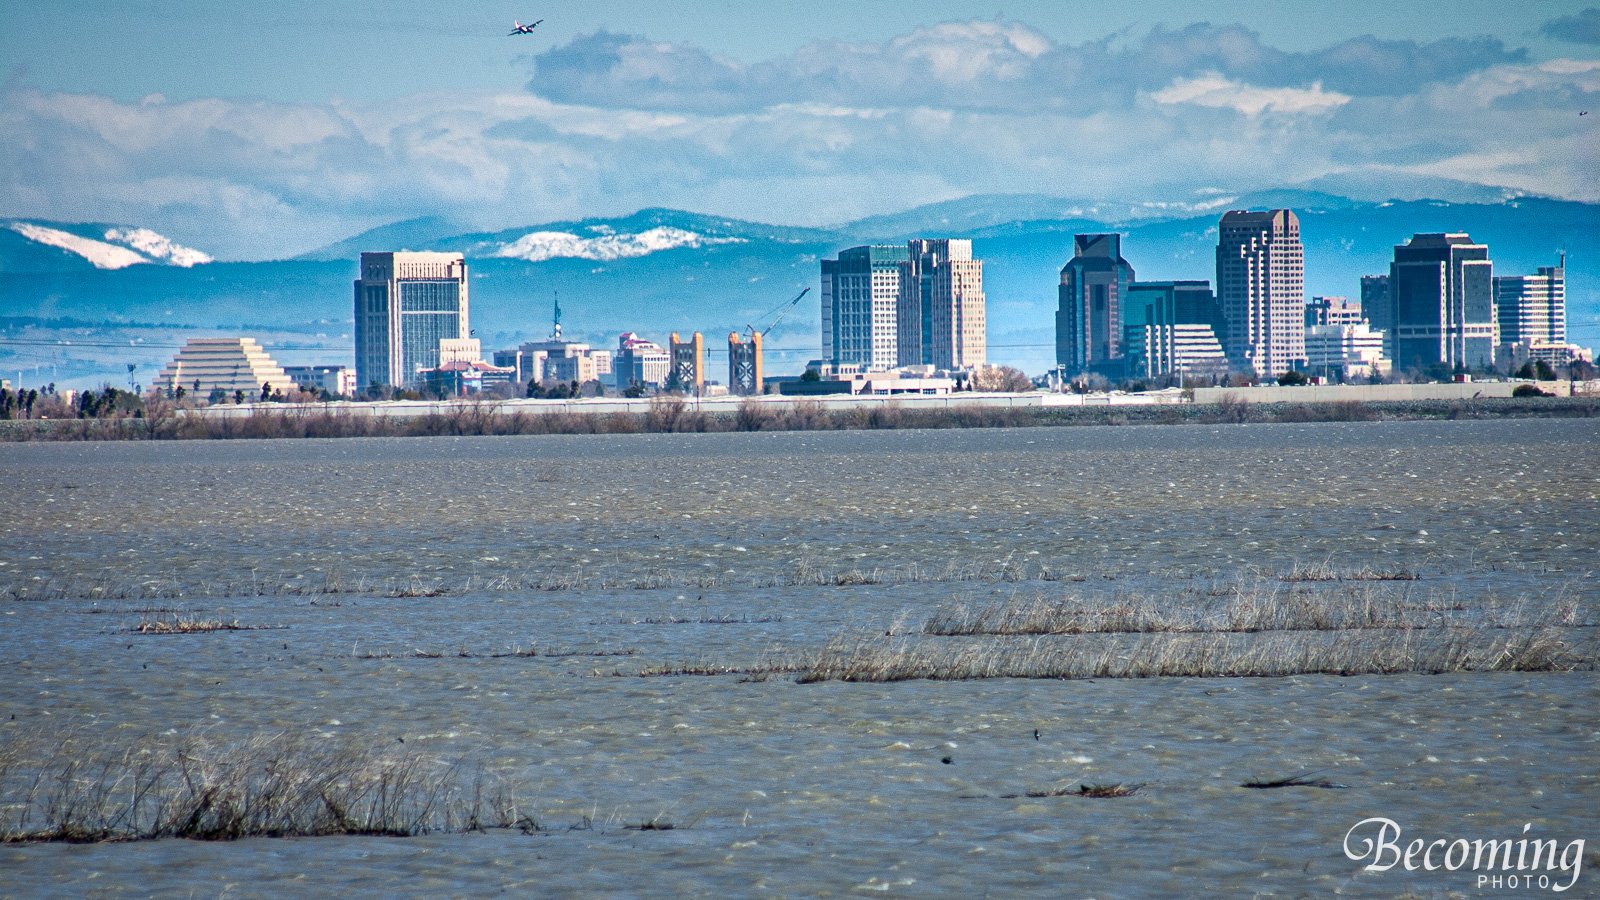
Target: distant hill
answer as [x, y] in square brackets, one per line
[662, 270]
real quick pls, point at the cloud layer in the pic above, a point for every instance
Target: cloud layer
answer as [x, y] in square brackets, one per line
[1581, 28]
[611, 123]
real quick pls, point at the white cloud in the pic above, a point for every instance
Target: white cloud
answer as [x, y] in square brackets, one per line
[614, 123]
[1213, 90]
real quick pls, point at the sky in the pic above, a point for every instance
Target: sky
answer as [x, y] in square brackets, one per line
[255, 131]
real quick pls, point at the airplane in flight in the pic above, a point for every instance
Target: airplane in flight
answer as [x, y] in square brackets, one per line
[519, 28]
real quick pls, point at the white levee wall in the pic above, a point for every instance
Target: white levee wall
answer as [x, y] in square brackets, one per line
[1037, 400]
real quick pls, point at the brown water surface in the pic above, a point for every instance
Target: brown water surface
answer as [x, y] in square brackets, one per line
[729, 549]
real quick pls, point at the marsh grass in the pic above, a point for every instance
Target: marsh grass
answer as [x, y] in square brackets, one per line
[1244, 607]
[887, 658]
[69, 788]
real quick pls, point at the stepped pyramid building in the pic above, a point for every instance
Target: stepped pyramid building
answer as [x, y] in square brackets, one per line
[226, 364]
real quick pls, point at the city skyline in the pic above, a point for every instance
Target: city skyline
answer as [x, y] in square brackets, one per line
[262, 148]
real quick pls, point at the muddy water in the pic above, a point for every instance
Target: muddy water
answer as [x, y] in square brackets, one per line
[732, 549]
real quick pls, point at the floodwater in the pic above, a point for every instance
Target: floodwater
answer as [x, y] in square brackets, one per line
[380, 578]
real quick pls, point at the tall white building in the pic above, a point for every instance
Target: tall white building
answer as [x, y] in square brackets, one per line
[1533, 308]
[860, 295]
[1261, 289]
[942, 309]
[405, 304]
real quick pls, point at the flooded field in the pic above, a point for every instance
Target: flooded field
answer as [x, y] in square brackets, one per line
[607, 636]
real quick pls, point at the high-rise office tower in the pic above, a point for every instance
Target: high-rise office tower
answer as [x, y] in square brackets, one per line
[942, 308]
[1533, 308]
[1378, 309]
[1261, 288]
[860, 295]
[1089, 314]
[406, 303]
[1442, 302]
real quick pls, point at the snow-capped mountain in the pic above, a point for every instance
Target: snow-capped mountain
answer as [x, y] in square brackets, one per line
[606, 245]
[645, 233]
[659, 270]
[50, 246]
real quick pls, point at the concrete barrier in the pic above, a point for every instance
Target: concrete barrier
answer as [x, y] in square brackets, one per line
[1374, 393]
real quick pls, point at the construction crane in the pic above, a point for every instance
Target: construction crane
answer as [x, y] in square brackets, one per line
[744, 357]
[777, 314]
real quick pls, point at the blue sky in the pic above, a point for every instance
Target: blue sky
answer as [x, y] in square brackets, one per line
[262, 130]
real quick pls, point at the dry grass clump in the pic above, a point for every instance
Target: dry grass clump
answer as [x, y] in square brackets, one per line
[1327, 571]
[882, 658]
[274, 785]
[179, 624]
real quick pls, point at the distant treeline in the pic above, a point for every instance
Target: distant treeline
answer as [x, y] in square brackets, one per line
[69, 322]
[672, 414]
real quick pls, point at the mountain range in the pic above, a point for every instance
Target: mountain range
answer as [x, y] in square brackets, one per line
[662, 270]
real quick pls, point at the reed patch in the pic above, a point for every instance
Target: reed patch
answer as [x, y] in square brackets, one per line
[70, 788]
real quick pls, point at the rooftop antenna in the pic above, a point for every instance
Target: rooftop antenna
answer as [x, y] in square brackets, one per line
[555, 335]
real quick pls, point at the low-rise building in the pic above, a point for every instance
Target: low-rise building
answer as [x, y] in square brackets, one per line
[1180, 350]
[337, 380]
[555, 360]
[1348, 351]
[462, 377]
[1172, 328]
[1333, 311]
[639, 362]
